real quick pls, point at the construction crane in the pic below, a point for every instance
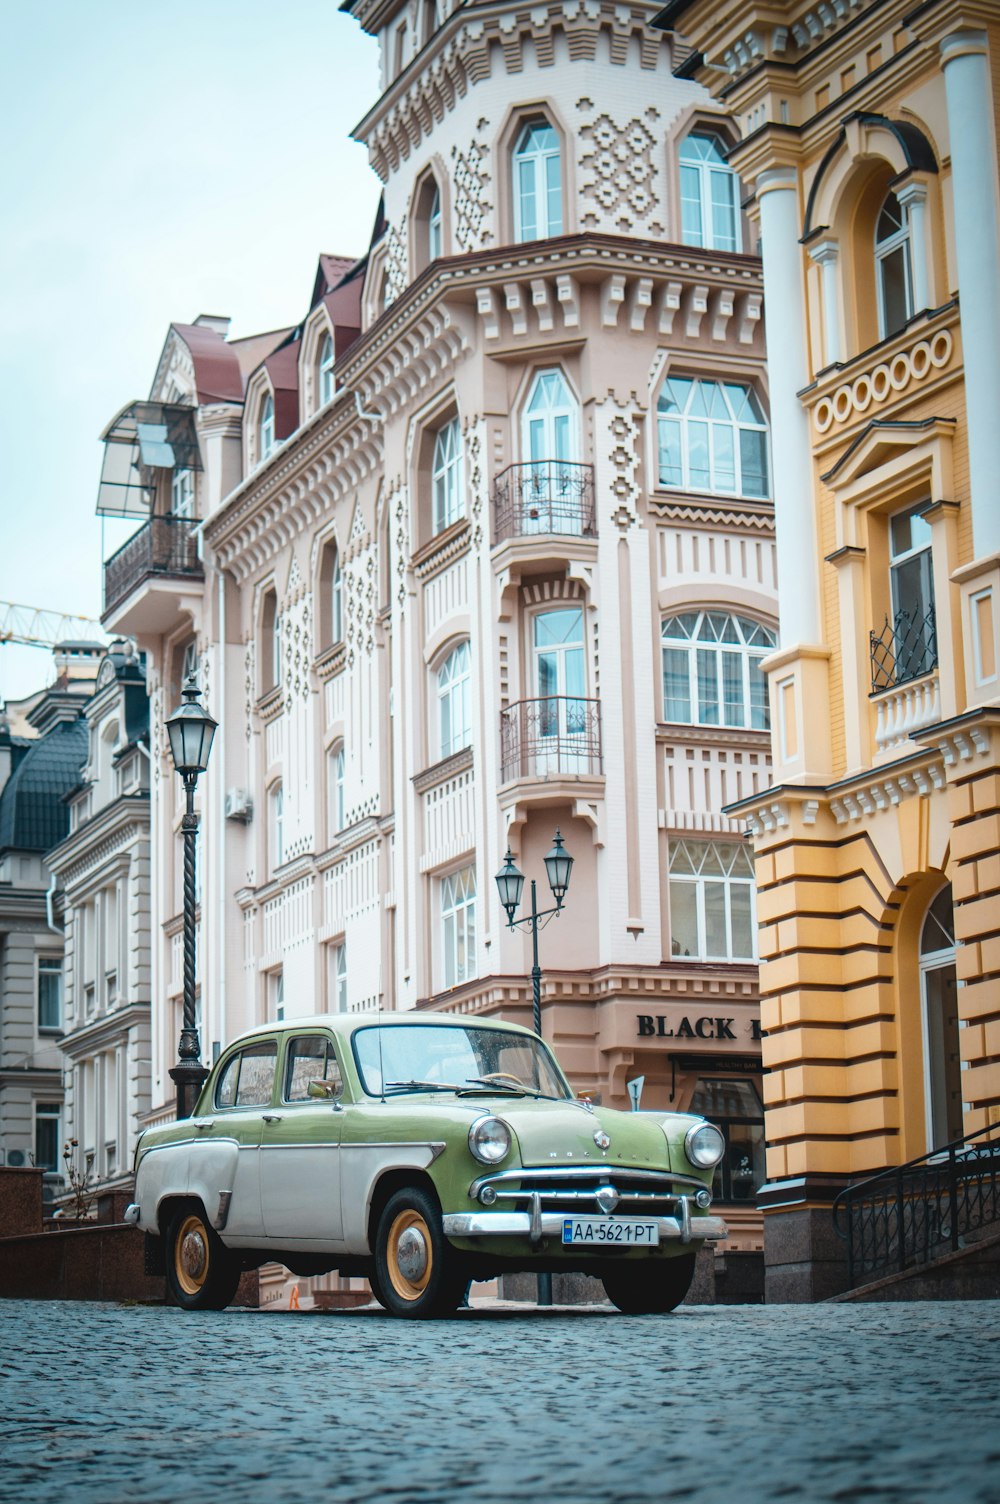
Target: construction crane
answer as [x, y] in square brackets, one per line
[31, 627]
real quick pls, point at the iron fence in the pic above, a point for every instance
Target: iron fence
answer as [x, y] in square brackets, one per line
[166, 545]
[915, 1212]
[544, 496]
[556, 734]
[905, 648]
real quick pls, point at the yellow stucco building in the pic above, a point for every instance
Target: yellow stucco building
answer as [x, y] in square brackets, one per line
[868, 156]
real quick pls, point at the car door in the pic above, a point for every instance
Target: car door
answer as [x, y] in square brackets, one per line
[243, 1093]
[300, 1147]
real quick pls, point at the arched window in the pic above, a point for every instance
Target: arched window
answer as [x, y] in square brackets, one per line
[446, 476]
[326, 382]
[336, 600]
[893, 267]
[551, 420]
[712, 437]
[336, 771]
[454, 697]
[711, 670]
[942, 1050]
[269, 643]
[458, 926]
[265, 433]
[276, 648]
[276, 824]
[537, 183]
[711, 890]
[710, 207]
[434, 231]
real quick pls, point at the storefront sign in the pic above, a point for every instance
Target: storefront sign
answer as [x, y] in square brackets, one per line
[654, 1026]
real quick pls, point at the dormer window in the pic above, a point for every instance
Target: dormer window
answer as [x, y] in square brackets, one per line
[537, 183]
[326, 381]
[710, 208]
[265, 433]
[893, 269]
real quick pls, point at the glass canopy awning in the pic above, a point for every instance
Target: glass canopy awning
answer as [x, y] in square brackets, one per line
[143, 438]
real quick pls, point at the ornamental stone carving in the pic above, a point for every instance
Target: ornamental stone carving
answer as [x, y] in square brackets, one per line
[472, 210]
[618, 175]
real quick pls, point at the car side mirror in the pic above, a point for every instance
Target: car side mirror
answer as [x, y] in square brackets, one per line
[326, 1091]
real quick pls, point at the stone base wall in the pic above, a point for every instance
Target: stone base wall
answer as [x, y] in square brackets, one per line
[804, 1260]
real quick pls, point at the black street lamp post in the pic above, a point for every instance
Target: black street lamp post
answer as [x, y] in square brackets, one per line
[510, 882]
[190, 730]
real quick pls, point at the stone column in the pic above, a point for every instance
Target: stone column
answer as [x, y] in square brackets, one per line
[825, 255]
[971, 122]
[794, 510]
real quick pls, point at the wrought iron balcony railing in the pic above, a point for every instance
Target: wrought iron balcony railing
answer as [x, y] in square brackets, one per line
[545, 496]
[914, 1213]
[905, 648]
[165, 546]
[557, 734]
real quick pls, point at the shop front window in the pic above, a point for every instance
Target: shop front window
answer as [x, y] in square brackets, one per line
[736, 1108]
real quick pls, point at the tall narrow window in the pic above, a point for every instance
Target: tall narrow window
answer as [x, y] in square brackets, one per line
[337, 979]
[434, 230]
[710, 208]
[276, 995]
[266, 430]
[458, 925]
[47, 1116]
[560, 676]
[537, 183]
[711, 669]
[339, 784]
[336, 601]
[276, 806]
[911, 584]
[712, 437]
[551, 420]
[454, 700]
[182, 493]
[276, 648]
[711, 901]
[49, 992]
[325, 370]
[893, 268]
[446, 476]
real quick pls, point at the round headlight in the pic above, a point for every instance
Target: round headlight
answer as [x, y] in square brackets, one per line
[704, 1145]
[489, 1140]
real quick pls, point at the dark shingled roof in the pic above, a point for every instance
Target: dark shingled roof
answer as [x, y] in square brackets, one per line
[33, 816]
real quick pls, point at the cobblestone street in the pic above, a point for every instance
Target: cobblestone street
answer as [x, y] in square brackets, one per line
[889, 1402]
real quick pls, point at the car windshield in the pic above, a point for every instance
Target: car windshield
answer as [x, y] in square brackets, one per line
[395, 1058]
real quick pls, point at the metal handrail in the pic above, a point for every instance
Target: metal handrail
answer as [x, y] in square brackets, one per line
[166, 545]
[904, 649]
[911, 1213]
[553, 734]
[542, 497]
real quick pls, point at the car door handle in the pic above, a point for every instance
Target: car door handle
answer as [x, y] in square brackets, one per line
[272, 1117]
[202, 1124]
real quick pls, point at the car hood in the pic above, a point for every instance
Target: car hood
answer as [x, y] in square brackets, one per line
[563, 1133]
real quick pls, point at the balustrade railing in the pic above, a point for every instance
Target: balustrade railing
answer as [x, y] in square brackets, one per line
[553, 735]
[905, 648]
[544, 496]
[915, 1212]
[166, 545]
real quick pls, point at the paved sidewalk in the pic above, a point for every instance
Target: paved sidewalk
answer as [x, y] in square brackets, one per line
[143, 1404]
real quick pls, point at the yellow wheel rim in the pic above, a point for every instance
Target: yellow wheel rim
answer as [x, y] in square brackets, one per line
[409, 1255]
[191, 1257]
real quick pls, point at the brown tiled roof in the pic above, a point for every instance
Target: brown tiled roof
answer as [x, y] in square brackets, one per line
[217, 373]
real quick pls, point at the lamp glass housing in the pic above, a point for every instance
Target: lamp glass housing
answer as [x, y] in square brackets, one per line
[509, 883]
[191, 731]
[558, 866]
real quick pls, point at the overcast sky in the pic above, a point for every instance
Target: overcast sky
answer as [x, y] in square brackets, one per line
[158, 159]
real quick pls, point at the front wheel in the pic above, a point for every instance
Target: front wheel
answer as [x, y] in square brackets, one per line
[417, 1273]
[202, 1274]
[650, 1289]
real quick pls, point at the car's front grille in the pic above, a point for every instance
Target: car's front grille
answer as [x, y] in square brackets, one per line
[636, 1192]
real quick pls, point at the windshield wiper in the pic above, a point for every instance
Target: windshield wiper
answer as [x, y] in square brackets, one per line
[422, 1086]
[519, 1090]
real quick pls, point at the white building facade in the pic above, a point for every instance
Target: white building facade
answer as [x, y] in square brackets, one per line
[481, 549]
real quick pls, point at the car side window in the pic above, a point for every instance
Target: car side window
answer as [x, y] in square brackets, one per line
[311, 1058]
[248, 1078]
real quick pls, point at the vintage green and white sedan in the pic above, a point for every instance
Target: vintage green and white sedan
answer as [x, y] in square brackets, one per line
[422, 1151]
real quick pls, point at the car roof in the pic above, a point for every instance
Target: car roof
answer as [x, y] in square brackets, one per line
[345, 1023]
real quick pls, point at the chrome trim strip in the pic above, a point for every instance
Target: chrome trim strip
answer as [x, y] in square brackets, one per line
[131, 1215]
[519, 1224]
[571, 1198]
[598, 1172]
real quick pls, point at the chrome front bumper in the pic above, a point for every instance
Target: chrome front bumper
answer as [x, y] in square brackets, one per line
[535, 1226]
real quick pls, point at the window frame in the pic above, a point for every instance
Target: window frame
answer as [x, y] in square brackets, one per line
[684, 420]
[276, 825]
[447, 478]
[457, 688]
[49, 966]
[182, 492]
[699, 881]
[705, 171]
[48, 1113]
[883, 250]
[537, 160]
[326, 361]
[265, 429]
[457, 915]
[693, 646]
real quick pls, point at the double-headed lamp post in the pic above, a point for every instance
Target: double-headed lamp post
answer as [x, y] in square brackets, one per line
[190, 730]
[558, 866]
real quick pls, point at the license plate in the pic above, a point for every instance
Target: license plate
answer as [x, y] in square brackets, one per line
[616, 1232]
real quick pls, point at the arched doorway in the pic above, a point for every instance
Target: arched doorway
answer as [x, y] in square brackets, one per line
[939, 1012]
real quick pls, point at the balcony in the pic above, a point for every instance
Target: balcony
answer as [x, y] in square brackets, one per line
[904, 682]
[164, 555]
[554, 737]
[544, 497]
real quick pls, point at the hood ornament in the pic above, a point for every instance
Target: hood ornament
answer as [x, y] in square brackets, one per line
[601, 1139]
[607, 1199]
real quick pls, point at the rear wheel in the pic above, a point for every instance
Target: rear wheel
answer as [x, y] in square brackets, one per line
[202, 1274]
[417, 1272]
[650, 1289]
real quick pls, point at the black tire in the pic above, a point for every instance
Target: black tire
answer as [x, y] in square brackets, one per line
[417, 1273]
[202, 1274]
[650, 1289]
